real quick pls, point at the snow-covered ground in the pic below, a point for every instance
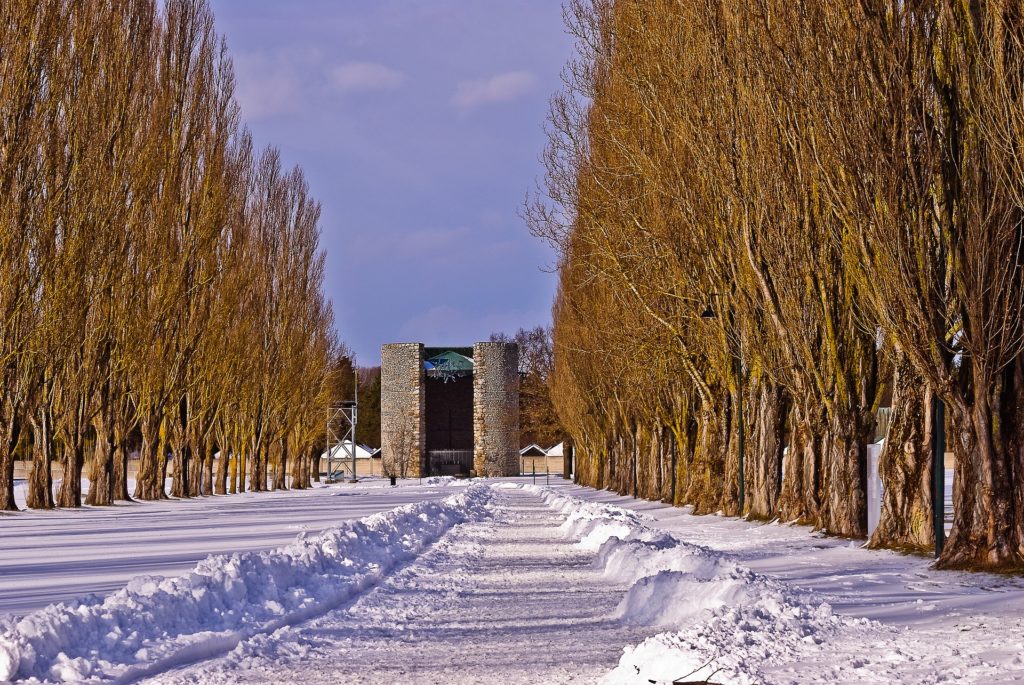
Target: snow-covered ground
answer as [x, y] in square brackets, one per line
[48, 556]
[796, 607]
[502, 582]
[505, 599]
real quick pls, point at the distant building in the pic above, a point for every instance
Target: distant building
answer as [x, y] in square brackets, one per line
[341, 451]
[535, 459]
[450, 410]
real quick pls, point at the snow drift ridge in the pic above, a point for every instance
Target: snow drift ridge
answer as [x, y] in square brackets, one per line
[728, 623]
[156, 623]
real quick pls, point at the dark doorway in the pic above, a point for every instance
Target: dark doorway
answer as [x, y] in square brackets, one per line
[449, 418]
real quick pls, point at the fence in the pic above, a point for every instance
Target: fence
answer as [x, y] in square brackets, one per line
[450, 462]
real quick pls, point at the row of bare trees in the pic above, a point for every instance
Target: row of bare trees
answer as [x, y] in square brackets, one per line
[538, 421]
[160, 289]
[772, 218]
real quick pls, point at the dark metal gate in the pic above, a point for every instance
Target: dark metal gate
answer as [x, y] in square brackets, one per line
[450, 462]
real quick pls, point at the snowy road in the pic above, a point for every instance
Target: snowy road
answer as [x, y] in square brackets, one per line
[496, 583]
[506, 600]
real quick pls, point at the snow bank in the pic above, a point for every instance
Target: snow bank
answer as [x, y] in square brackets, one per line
[672, 598]
[644, 552]
[729, 624]
[157, 623]
[439, 480]
[592, 523]
[737, 645]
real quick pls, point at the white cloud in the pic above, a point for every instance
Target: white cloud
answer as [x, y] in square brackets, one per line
[291, 81]
[498, 88]
[268, 86]
[356, 76]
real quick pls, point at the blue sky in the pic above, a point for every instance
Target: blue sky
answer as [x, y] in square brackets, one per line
[419, 125]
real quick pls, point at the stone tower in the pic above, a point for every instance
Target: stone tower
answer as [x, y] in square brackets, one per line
[408, 397]
[402, 409]
[496, 409]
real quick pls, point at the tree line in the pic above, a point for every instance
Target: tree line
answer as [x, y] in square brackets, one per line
[368, 425]
[161, 287]
[775, 216]
[538, 421]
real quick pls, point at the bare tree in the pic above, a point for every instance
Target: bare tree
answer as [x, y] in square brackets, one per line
[132, 219]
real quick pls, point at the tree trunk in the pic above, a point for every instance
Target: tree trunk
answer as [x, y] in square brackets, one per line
[301, 468]
[101, 486]
[264, 465]
[634, 459]
[707, 467]
[767, 426]
[195, 466]
[685, 438]
[298, 469]
[730, 490]
[121, 457]
[149, 481]
[617, 473]
[164, 447]
[657, 464]
[241, 467]
[679, 462]
[122, 451]
[206, 455]
[905, 466]
[311, 468]
[40, 480]
[611, 459]
[182, 461]
[179, 440]
[256, 469]
[220, 484]
[8, 443]
[798, 500]
[195, 470]
[69, 494]
[232, 473]
[282, 467]
[988, 492]
[843, 486]
[673, 467]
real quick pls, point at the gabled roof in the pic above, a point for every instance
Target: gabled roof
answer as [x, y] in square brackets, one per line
[340, 451]
[532, 450]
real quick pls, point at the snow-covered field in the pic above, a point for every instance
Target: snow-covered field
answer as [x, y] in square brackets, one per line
[494, 582]
[752, 603]
[48, 556]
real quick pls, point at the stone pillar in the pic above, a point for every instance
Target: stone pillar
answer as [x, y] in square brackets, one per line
[496, 409]
[402, 410]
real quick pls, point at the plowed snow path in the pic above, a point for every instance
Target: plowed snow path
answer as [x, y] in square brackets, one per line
[506, 600]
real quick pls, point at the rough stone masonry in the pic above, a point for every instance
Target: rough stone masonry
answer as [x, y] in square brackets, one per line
[495, 410]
